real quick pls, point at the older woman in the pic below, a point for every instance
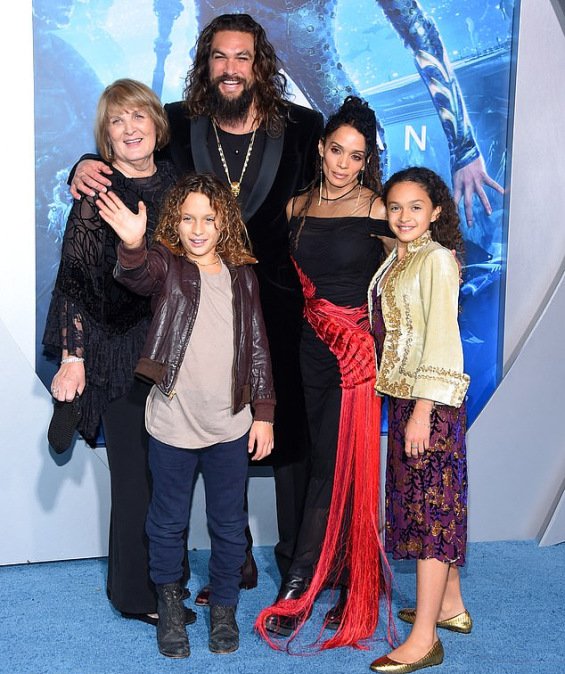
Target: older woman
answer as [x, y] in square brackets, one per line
[99, 328]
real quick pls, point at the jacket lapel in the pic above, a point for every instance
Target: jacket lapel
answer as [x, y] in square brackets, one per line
[267, 171]
[270, 162]
[199, 127]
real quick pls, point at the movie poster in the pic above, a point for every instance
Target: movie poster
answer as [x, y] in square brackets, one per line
[438, 73]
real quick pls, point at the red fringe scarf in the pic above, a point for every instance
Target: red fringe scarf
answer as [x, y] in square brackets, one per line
[352, 540]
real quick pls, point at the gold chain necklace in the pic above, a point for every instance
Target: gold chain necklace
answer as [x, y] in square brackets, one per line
[234, 184]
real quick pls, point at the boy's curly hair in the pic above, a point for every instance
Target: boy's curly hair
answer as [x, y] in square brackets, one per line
[233, 245]
[445, 229]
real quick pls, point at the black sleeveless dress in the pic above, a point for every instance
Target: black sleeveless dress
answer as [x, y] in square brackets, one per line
[340, 256]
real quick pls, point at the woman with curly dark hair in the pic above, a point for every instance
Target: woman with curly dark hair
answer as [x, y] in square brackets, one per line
[337, 227]
[414, 307]
[212, 402]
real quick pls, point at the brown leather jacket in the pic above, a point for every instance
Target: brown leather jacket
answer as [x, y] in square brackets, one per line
[173, 282]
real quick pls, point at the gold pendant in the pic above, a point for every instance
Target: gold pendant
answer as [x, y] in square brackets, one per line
[235, 188]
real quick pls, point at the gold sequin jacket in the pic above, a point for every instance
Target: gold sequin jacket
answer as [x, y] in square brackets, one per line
[422, 353]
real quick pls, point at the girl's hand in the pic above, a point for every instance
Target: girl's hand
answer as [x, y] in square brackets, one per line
[417, 434]
[69, 382]
[261, 440]
[129, 226]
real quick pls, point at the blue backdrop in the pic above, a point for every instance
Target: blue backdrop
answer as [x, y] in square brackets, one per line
[437, 72]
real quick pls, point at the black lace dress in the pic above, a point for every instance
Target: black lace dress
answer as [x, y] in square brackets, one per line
[93, 316]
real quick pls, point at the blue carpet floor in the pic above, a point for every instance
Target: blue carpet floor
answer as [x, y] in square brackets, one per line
[55, 619]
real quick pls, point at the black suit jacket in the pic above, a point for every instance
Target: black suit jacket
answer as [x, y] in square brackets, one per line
[287, 166]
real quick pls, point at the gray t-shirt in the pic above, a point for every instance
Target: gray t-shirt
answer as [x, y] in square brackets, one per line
[200, 412]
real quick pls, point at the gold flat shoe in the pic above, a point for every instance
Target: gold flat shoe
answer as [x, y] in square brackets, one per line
[433, 657]
[462, 622]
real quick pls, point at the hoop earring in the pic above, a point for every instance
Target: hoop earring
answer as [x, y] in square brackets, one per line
[321, 184]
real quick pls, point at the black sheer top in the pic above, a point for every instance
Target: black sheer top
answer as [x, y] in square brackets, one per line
[339, 250]
[93, 316]
[340, 255]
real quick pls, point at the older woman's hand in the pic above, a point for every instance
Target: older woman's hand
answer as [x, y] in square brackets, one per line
[69, 381]
[129, 226]
[89, 178]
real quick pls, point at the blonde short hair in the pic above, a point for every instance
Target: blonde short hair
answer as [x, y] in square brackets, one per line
[126, 93]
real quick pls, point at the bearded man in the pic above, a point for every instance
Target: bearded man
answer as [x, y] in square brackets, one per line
[236, 122]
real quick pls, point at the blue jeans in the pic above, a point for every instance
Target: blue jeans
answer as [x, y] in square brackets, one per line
[224, 469]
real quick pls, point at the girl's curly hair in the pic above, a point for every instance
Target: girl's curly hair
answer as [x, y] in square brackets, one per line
[233, 245]
[445, 229]
[270, 84]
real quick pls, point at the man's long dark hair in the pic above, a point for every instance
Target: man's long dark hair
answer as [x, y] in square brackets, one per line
[270, 84]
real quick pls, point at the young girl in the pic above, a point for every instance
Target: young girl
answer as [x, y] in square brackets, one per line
[413, 301]
[207, 354]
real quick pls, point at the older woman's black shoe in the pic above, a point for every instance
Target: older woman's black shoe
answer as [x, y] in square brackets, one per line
[293, 587]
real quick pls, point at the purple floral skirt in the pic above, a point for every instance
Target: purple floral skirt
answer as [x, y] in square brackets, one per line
[425, 498]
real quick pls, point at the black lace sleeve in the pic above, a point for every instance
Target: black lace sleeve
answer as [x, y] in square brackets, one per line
[91, 314]
[79, 280]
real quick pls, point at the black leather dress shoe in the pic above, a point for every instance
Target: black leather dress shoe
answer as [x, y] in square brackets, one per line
[334, 616]
[249, 572]
[189, 617]
[293, 587]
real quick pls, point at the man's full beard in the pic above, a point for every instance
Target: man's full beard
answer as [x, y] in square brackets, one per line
[229, 110]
